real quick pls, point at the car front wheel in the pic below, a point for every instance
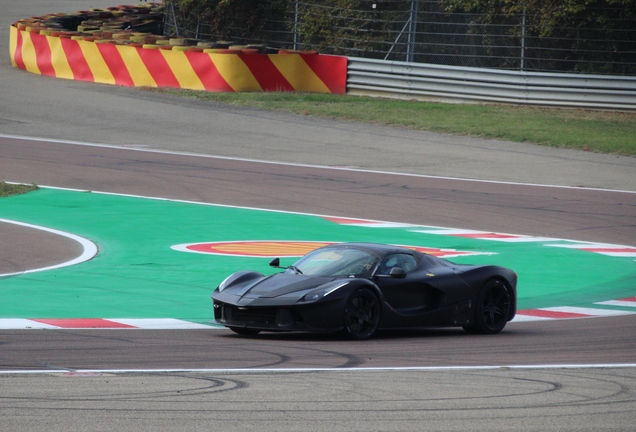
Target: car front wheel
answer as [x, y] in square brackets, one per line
[492, 310]
[361, 314]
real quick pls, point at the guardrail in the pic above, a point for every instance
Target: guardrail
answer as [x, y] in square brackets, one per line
[462, 84]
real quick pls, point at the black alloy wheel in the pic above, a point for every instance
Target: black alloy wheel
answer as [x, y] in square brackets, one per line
[492, 310]
[361, 314]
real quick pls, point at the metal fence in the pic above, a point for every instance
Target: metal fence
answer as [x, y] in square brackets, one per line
[422, 31]
[454, 83]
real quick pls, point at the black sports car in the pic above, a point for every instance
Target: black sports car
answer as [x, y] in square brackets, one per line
[358, 288]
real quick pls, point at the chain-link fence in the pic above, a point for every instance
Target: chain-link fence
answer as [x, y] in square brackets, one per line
[423, 31]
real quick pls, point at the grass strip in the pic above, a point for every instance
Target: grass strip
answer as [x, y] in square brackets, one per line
[7, 189]
[609, 132]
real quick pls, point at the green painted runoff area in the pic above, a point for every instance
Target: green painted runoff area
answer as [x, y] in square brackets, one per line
[137, 275]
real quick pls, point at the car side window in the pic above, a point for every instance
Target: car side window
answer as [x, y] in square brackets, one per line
[405, 261]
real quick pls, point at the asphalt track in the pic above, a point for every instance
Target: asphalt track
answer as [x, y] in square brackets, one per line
[86, 387]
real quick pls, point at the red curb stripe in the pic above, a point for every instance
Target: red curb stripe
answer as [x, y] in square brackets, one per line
[77, 62]
[552, 314]
[207, 72]
[331, 70]
[349, 221]
[43, 54]
[116, 64]
[82, 323]
[628, 299]
[158, 68]
[266, 73]
[608, 250]
[19, 61]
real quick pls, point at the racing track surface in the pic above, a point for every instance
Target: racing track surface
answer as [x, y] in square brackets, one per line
[384, 399]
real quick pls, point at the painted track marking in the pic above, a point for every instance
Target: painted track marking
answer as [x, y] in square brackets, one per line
[93, 372]
[563, 312]
[89, 248]
[101, 323]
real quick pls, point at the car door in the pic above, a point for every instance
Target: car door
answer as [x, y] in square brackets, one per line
[412, 293]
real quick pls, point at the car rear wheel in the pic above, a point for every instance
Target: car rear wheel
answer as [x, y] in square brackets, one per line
[361, 314]
[244, 331]
[492, 310]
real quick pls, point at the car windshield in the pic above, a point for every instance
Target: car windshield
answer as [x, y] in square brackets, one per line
[337, 262]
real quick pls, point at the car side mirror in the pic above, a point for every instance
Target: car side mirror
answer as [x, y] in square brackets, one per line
[397, 272]
[275, 262]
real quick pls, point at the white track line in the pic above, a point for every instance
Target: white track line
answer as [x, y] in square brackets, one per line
[177, 153]
[621, 303]
[89, 248]
[322, 370]
[22, 324]
[162, 324]
[104, 324]
[592, 312]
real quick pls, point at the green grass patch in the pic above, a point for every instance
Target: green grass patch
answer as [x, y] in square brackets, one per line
[7, 189]
[588, 130]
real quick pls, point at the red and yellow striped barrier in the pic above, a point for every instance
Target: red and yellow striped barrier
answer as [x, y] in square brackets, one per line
[127, 65]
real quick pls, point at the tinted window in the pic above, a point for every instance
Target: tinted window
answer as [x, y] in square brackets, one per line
[405, 261]
[338, 262]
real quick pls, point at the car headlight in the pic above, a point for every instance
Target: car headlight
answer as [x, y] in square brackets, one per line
[322, 292]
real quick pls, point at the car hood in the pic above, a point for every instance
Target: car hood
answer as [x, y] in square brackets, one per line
[278, 285]
[281, 284]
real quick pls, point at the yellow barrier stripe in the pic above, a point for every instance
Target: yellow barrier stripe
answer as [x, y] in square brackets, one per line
[13, 44]
[58, 58]
[235, 72]
[182, 70]
[136, 67]
[28, 54]
[131, 66]
[298, 73]
[96, 63]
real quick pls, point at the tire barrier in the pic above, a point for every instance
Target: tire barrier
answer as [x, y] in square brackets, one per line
[107, 46]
